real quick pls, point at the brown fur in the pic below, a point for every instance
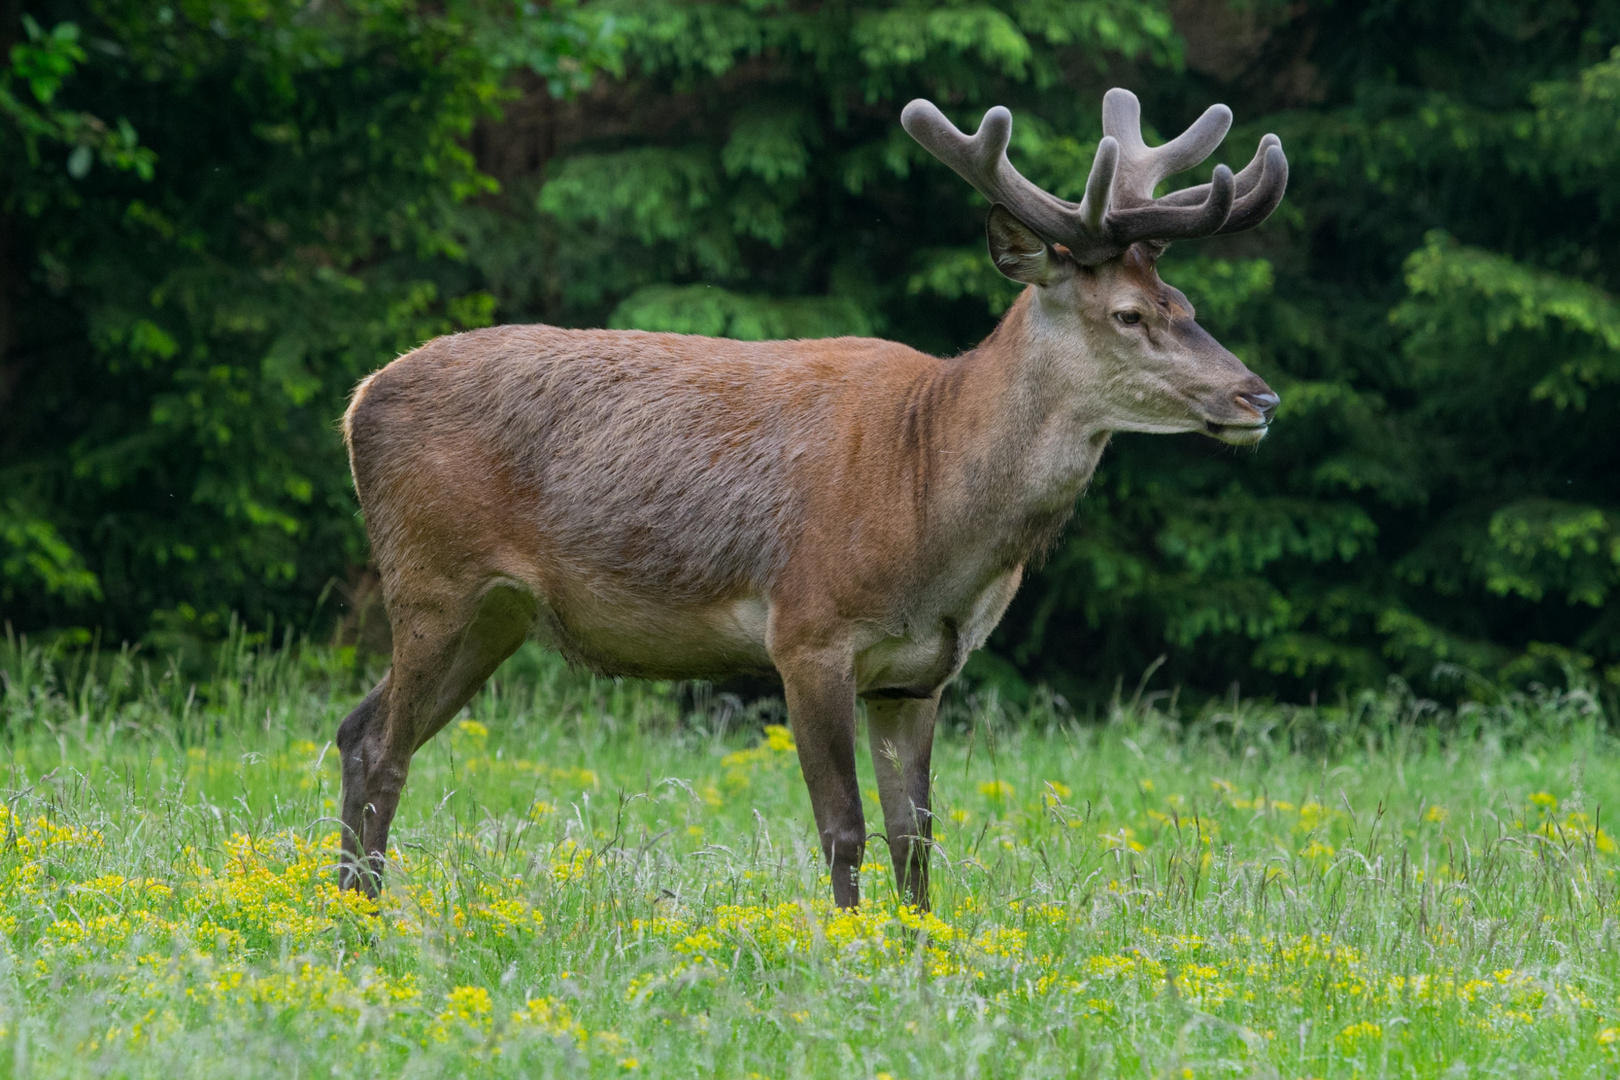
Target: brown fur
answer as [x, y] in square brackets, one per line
[850, 512]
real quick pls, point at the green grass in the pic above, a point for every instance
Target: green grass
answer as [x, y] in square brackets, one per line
[589, 886]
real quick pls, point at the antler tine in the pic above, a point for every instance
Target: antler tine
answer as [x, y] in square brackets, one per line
[1142, 166]
[1246, 180]
[974, 157]
[1196, 143]
[1260, 188]
[981, 160]
[1159, 221]
[1135, 214]
[1266, 194]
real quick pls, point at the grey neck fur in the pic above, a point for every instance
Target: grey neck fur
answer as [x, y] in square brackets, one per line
[1023, 480]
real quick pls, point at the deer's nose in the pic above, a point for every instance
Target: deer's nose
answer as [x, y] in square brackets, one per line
[1264, 403]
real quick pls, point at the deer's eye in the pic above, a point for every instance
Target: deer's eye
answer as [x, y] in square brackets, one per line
[1129, 318]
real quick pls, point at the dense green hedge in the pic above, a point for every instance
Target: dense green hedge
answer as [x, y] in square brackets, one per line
[218, 216]
[219, 213]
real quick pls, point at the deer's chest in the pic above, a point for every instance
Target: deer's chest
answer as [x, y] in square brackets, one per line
[915, 655]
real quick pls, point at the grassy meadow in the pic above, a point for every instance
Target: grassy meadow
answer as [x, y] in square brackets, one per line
[587, 884]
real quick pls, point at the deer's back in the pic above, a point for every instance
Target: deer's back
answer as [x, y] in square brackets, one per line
[657, 461]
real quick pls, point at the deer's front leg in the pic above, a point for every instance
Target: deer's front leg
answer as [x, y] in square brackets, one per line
[901, 731]
[820, 689]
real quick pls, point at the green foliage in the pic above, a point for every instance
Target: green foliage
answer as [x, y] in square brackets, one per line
[1462, 296]
[272, 217]
[44, 62]
[705, 309]
[37, 556]
[219, 214]
[1435, 302]
[774, 168]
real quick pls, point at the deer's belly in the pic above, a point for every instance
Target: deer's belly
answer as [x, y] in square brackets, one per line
[652, 641]
[912, 657]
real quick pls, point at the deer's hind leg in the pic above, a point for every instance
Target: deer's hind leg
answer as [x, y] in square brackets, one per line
[444, 649]
[371, 711]
[505, 616]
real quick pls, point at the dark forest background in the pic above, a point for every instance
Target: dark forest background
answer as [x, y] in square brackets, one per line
[219, 214]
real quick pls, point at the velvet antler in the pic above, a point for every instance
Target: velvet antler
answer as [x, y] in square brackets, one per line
[1118, 208]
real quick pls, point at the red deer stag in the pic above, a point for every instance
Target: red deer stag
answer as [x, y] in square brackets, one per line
[851, 513]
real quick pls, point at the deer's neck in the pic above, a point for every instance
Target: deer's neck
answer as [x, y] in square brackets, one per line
[1027, 438]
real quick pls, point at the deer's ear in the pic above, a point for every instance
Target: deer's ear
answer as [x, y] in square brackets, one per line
[1016, 250]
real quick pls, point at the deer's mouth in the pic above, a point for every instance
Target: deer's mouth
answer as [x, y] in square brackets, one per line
[1236, 434]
